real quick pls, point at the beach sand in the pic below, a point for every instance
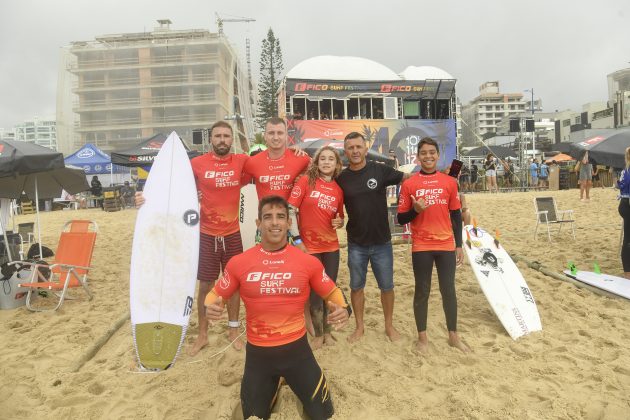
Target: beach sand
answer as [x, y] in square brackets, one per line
[577, 367]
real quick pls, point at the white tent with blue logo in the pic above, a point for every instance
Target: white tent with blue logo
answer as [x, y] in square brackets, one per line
[94, 162]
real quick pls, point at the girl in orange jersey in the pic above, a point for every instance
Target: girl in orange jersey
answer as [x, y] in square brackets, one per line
[318, 200]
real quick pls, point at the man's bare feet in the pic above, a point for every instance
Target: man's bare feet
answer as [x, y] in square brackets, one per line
[233, 336]
[317, 342]
[355, 336]
[200, 343]
[454, 341]
[329, 340]
[392, 333]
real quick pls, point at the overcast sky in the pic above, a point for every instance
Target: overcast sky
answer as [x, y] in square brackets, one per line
[563, 49]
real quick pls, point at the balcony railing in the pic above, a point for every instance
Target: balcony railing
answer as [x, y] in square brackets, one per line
[113, 62]
[134, 122]
[135, 81]
[86, 105]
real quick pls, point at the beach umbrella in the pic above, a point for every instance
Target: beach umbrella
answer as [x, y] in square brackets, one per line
[44, 185]
[21, 157]
[23, 166]
[143, 153]
[311, 147]
[498, 151]
[606, 149]
[560, 157]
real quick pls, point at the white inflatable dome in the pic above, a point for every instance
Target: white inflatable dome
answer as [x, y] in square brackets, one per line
[424, 73]
[330, 67]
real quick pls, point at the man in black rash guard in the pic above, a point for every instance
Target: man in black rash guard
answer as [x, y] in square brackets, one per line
[429, 201]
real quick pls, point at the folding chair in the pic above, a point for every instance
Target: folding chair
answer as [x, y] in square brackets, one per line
[547, 212]
[27, 235]
[70, 267]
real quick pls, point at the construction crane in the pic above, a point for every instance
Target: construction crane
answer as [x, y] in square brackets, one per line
[220, 22]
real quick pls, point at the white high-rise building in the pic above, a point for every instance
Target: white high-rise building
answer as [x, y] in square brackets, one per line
[42, 131]
[118, 89]
[483, 114]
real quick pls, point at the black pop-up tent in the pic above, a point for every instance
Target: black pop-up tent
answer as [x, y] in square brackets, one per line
[38, 171]
[606, 149]
[144, 152]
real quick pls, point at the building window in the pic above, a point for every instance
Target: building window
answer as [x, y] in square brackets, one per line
[566, 123]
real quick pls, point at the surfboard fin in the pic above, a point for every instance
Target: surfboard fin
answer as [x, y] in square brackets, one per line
[496, 238]
[468, 240]
[571, 266]
[596, 268]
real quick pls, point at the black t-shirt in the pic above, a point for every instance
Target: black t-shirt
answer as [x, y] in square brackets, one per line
[365, 197]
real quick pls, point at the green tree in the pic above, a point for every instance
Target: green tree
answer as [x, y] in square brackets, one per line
[271, 68]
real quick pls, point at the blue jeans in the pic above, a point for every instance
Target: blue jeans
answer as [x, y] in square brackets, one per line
[380, 257]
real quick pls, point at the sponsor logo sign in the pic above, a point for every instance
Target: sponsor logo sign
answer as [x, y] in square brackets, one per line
[191, 217]
[85, 154]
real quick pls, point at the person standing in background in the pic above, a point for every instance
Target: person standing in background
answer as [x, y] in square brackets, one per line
[624, 212]
[585, 177]
[96, 188]
[490, 166]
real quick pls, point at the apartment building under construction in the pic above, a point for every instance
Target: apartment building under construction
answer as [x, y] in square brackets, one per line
[119, 89]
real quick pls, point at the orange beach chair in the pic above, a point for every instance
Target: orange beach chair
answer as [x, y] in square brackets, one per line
[71, 265]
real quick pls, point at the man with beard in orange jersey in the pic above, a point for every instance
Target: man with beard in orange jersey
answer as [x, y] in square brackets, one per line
[219, 176]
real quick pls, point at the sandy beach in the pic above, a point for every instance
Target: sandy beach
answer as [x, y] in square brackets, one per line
[577, 367]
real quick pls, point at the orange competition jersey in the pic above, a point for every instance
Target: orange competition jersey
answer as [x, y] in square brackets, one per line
[431, 230]
[276, 176]
[274, 287]
[318, 206]
[219, 179]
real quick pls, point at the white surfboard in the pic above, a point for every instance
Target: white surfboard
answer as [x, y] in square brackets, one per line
[248, 213]
[502, 283]
[613, 284]
[164, 258]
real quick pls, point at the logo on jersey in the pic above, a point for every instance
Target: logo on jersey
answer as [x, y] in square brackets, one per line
[325, 278]
[372, 184]
[275, 167]
[272, 178]
[297, 192]
[317, 194]
[224, 283]
[218, 174]
[267, 262]
[258, 276]
[191, 217]
[431, 196]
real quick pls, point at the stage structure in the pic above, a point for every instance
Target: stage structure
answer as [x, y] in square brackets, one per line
[327, 97]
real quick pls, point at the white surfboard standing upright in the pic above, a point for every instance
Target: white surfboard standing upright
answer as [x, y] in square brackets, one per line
[164, 258]
[502, 283]
[247, 215]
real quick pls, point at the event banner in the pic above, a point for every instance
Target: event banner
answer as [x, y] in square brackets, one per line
[402, 136]
[430, 89]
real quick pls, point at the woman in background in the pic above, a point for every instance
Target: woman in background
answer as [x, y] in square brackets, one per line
[585, 177]
[490, 166]
[624, 211]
